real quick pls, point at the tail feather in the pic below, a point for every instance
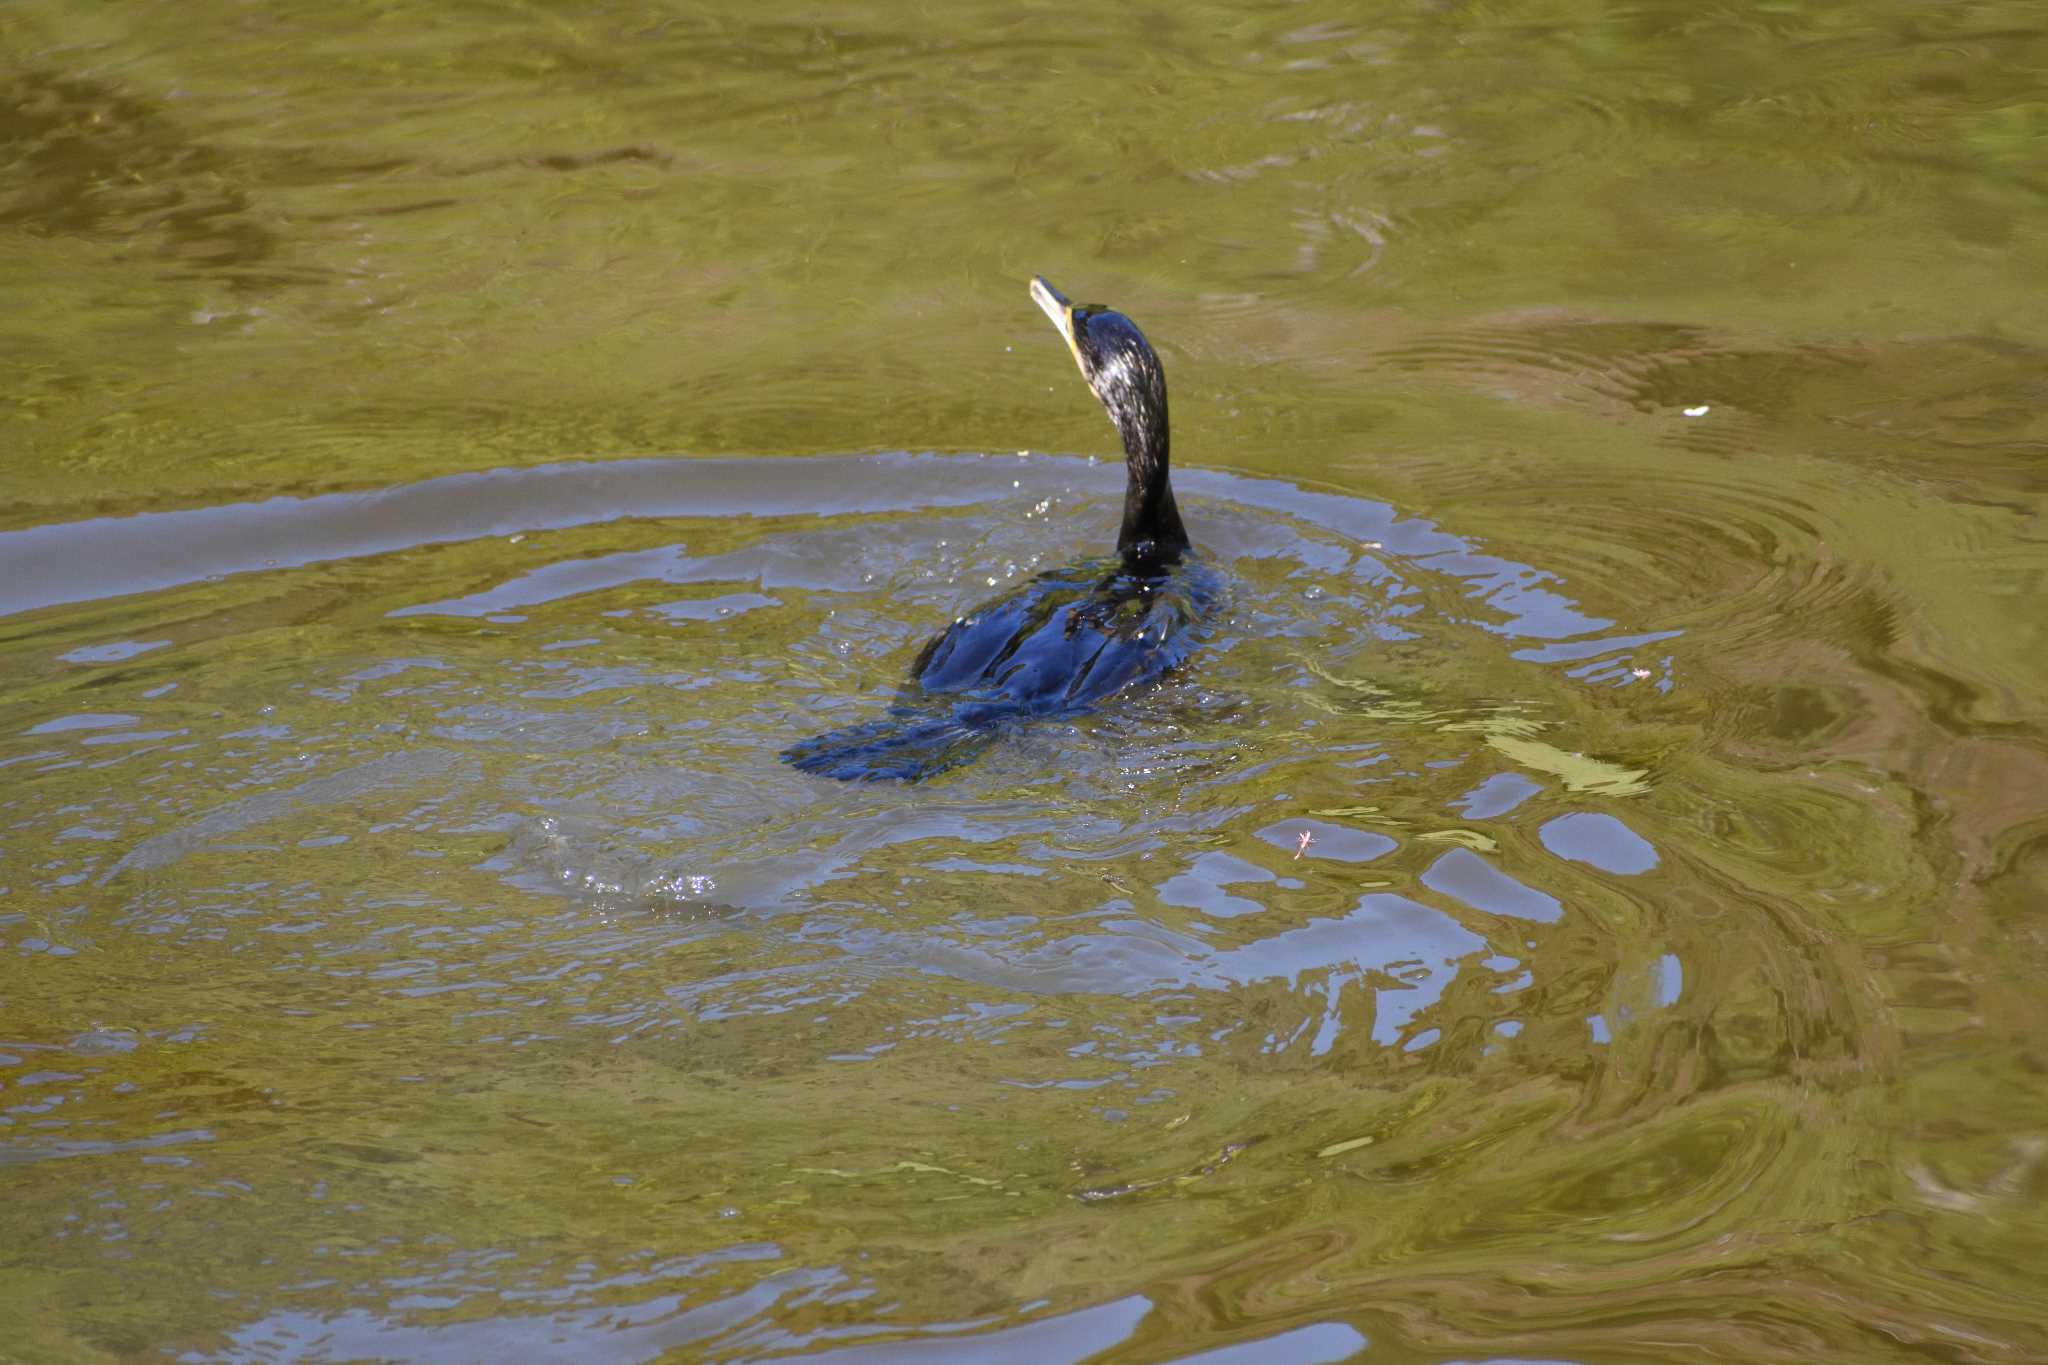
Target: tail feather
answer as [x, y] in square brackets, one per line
[903, 746]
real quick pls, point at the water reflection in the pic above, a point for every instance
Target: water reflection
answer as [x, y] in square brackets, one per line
[1497, 795]
[624, 756]
[739, 1325]
[632, 804]
[1464, 876]
[1601, 840]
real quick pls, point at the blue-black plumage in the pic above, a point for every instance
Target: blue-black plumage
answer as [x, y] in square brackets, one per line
[1067, 639]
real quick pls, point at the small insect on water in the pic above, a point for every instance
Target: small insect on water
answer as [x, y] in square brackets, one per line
[1302, 841]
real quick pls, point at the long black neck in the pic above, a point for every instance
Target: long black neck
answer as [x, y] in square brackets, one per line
[1152, 534]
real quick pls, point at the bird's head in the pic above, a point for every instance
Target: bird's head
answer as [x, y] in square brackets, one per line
[1119, 365]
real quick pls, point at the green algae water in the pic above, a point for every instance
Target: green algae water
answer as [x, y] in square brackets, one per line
[1585, 901]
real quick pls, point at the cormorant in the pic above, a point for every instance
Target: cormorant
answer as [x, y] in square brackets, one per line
[1068, 638]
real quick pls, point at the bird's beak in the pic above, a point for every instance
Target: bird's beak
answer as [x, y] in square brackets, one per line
[1061, 310]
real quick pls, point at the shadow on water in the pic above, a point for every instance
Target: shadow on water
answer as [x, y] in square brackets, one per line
[92, 161]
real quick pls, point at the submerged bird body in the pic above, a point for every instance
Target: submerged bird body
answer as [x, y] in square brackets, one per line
[1064, 642]
[1069, 638]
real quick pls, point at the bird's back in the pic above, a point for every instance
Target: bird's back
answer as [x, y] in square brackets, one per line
[1063, 642]
[1068, 638]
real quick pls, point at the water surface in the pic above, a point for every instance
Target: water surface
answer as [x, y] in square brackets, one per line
[1583, 904]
